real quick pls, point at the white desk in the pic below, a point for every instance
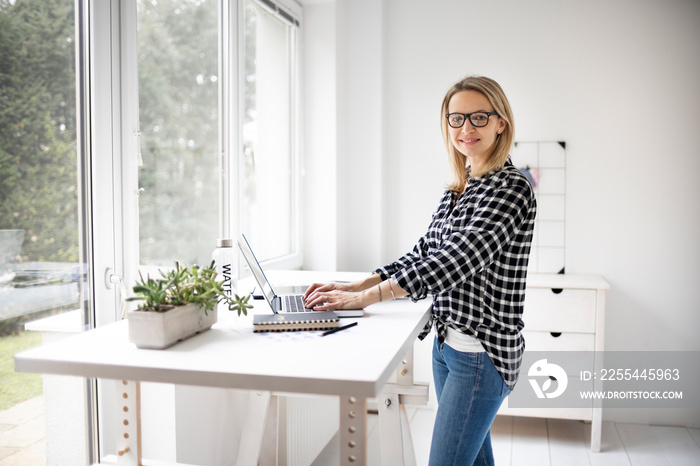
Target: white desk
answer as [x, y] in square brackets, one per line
[354, 365]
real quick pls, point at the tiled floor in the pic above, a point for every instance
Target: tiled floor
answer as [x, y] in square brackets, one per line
[516, 441]
[522, 441]
[22, 434]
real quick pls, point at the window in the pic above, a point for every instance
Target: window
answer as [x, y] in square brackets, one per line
[194, 119]
[178, 77]
[269, 201]
[40, 271]
[183, 87]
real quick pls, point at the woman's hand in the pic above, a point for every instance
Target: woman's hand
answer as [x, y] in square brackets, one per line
[335, 299]
[321, 287]
[328, 296]
[355, 295]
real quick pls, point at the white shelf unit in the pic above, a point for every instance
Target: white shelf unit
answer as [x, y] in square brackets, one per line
[564, 312]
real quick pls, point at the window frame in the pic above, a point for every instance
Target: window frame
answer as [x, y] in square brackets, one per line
[109, 95]
[294, 260]
[98, 95]
[231, 118]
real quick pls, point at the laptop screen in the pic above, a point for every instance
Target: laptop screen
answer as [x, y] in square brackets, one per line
[258, 273]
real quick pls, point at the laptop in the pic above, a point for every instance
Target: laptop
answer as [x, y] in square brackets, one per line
[287, 302]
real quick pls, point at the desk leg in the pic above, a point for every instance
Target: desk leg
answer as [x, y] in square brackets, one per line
[394, 427]
[128, 423]
[353, 431]
[255, 421]
[395, 431]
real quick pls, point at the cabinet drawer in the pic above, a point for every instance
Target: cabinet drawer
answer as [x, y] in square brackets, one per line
[565, 311]
[566, 341]
[583, 409]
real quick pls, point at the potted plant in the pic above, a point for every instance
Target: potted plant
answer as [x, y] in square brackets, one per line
[179, 304]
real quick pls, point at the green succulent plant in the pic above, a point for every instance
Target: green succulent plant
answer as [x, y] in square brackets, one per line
[185, 285]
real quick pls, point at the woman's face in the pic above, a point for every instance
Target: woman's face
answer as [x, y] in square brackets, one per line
[474, 142]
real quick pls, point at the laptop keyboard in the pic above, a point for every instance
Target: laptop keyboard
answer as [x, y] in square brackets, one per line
[294, 303]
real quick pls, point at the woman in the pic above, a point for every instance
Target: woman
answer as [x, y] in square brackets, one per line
[473, 261]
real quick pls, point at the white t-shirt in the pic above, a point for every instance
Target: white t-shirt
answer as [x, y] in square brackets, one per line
[462, 342]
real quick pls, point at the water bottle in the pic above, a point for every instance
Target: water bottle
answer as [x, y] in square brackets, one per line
[225, 265]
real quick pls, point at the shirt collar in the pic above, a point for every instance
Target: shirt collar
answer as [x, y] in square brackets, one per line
[494, 178]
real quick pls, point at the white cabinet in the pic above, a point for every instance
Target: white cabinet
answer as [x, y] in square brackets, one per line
[563, 312]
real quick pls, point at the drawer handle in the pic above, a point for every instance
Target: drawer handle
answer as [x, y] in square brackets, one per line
[555, 334]
[557, 290]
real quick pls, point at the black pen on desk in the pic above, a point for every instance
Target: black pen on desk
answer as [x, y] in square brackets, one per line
[338, 329]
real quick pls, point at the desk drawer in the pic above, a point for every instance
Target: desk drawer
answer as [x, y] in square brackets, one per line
[562, 311]
[551, 341]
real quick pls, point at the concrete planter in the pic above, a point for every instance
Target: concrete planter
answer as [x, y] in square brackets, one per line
[159, 330]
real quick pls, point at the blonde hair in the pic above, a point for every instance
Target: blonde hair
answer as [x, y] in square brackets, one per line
[504, 141]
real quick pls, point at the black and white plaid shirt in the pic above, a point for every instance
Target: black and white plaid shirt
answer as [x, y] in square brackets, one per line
[473, 261]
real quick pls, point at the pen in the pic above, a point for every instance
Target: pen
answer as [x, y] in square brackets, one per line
[338, 329]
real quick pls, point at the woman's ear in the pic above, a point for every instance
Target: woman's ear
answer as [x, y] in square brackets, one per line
[501, 125]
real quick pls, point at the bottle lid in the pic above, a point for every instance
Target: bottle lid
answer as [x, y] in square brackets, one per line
[224, 243]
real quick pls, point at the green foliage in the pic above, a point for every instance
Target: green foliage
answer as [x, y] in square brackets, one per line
[16, 387]
[38, 158]
[184, 285]
[178, 111]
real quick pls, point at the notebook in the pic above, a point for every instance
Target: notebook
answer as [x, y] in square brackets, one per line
[282, 303]
[292, 322]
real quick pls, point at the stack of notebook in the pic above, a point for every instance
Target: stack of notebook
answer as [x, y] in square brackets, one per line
[291, 322]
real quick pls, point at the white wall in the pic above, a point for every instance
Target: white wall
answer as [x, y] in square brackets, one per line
[319, 141]
[359, 131]
[617, 80]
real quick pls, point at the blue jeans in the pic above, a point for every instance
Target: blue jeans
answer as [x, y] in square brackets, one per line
[469, 392]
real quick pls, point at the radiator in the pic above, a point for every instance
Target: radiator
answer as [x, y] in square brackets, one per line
[306, 425]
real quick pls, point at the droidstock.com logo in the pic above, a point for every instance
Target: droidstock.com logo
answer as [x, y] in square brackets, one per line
[541, 375]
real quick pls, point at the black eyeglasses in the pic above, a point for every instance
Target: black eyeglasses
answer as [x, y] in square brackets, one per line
[478, 119]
